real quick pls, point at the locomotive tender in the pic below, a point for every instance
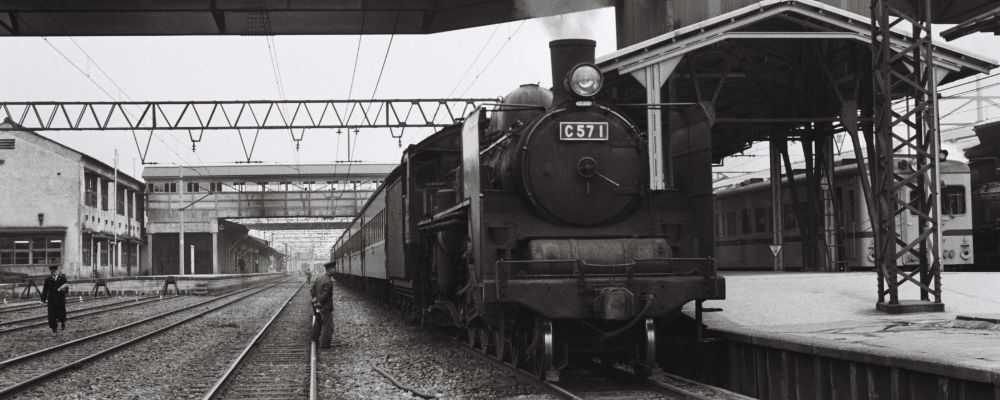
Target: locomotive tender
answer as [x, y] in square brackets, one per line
[534, 231]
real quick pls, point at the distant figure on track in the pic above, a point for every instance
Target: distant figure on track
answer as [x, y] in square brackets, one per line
[322, 297]
[309, 276]
[54, 294]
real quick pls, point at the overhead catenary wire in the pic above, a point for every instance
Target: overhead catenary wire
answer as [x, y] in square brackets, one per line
[474, 60]
[500, 50]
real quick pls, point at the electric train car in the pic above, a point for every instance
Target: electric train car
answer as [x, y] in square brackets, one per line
[744, 217]
[534, 232]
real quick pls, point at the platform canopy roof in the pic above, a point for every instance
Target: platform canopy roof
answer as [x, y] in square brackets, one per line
[988, 21]
[268, 17]
[951, 11]
[776, 67]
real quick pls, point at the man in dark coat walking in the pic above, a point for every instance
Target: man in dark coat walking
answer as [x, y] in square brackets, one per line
[322, 297]
[54, 294]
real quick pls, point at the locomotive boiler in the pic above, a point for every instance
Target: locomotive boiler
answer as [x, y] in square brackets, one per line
[533, 230]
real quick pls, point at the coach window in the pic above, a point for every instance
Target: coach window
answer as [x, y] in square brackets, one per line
[953, 199]
[718, 225]
[790, 223]
[731, 223]
[745, 221]
[760, 219]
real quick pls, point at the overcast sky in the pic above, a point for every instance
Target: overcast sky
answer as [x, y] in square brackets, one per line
[490, 60]
[481, 62]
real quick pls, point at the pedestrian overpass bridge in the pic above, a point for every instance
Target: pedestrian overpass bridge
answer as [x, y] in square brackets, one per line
[194, 203]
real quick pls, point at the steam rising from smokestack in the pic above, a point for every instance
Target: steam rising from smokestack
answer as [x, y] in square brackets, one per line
[578, 25]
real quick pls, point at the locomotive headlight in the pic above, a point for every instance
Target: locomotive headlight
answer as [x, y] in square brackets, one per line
[585, 80]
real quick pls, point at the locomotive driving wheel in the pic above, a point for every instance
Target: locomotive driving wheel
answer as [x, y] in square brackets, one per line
[646, 350]
[517, 343]
[499, 344]
[470, 336]
[540, 358]
[485, 337]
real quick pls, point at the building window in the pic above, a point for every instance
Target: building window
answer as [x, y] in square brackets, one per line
[90, 188]
[170, 187]
[87, 252]
[953, 199]
[193, 187]
[215, 187]
[102, 249]
[121, 204]
[104, 195]
[36, 250]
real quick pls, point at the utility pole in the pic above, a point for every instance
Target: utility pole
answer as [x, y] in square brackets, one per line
[180, 209]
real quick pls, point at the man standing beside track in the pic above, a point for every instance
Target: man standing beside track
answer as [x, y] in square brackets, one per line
[322, 300]
[54, 294]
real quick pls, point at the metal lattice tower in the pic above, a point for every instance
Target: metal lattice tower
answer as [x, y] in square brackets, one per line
[912, 132]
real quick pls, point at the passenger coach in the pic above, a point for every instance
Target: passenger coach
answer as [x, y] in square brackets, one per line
[743, 218]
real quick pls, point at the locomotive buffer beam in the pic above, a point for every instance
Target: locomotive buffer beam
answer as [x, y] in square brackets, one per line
[608, 292]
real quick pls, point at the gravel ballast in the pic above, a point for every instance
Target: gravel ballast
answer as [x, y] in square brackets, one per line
[370, 335]
[180, 363]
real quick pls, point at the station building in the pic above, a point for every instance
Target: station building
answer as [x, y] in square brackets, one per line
[63, 207]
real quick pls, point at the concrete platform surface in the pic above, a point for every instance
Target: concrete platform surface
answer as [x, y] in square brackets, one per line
[833, 314]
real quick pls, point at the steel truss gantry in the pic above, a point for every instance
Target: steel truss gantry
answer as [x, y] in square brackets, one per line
[913, 133]
[228, 115]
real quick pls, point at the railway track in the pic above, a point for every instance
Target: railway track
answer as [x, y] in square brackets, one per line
[600, 382]
[35, 304]
[28, 370]
[25, 323]
[282, 351]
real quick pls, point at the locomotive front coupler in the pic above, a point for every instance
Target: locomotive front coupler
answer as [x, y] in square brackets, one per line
[647, 300]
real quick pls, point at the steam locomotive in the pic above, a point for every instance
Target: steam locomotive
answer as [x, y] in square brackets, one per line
[533, 231]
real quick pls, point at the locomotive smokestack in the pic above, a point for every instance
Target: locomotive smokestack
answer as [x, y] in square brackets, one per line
[567, 53]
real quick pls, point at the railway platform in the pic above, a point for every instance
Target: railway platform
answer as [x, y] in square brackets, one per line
[154, 284]
[813, 335]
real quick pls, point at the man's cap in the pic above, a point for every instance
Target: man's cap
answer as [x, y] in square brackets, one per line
[53, 267]
[330, 264]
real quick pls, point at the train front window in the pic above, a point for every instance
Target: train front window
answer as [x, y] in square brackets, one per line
[953, 200]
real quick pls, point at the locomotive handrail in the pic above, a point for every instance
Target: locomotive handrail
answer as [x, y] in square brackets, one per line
[455, 211]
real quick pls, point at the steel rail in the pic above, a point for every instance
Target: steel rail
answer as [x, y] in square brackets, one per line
[35, 304]
[547, 386]
[717, 392]
[705, 392]
[28, 356]
[313, 387]
[55, 372]
[93, 311]
[216, 389]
